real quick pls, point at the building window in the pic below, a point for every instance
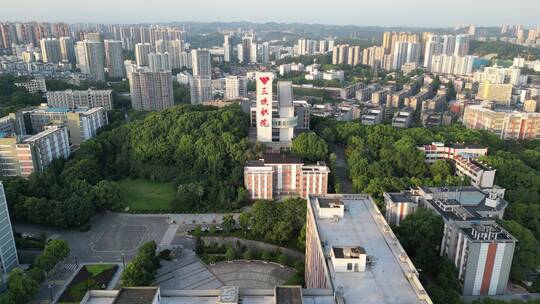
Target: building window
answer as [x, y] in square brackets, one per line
[349, 266]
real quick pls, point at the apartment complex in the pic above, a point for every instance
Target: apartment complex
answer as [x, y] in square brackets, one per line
[8, 251]
[438, 150]
[465, 159]
[235, 87]
[481, 250]
[501, 94]
[403, 118]
[504, 122]
[284, 175]
[20, 156]
[33, 85]
[76, 99]
[82, 123]
[352, 250]
[151, 91]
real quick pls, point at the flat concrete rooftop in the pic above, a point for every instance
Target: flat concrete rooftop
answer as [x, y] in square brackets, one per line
[390, 277]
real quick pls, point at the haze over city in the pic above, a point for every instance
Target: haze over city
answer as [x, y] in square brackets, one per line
[424, 13]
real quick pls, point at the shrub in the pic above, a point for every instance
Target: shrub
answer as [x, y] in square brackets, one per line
[248, 255]
[266, 256]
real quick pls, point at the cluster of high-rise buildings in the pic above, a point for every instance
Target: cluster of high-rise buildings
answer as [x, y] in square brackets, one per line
[518, 34]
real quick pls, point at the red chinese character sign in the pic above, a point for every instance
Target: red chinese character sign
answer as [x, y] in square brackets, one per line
[264, 106]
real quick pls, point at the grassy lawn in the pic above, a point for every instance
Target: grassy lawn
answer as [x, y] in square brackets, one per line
[141, 194]
[88, 278]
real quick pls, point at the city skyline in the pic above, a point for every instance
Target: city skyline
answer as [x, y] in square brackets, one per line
[381, 13]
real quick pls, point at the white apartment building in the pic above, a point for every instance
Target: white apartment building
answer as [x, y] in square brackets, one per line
[235, 87]
[76, 99]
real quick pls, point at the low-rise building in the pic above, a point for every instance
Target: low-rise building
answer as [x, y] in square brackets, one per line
[283, 175]
[438, 150]
[403, 118]
[504, 122]
[82, 123]
[373, 116]
[21, 156]
[34, 85]
[80, 99]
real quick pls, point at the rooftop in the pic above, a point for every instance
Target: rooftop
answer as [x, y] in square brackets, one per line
[137, 295]
[279, 295]
[288, 295]
[390, 277]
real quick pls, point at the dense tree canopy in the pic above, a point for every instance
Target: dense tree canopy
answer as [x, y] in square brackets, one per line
[310, 147]
[13, 98]
[200, 150]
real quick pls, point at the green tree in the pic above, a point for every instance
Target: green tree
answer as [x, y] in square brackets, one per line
[281, 232]
[107, 196]
[420, 234]
[21, 288]
[310, 147]
[302, 238]
[266, 256]
[243, 221]
[228, 222]
[526, 256]
[282, 259]
[248, 255]
[54, 252]
[440, 168]
[229, 254]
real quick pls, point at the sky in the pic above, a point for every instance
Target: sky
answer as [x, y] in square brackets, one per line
[423, 13]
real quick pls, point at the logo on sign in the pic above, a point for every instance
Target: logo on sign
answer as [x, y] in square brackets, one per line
[264, 79]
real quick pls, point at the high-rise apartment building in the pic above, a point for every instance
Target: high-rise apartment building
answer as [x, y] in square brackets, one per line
[247, 49]
[50, 49]
[80, 99]
[462, 45]
[201, 63]
[8, 251]
[433, 47]
[235, 87]
[67, 49]
[400, 54]
[91, 58]
[227, 50]
[200, 89]
[114, 59]
[151, 91]
[141, 53]
[159, 62]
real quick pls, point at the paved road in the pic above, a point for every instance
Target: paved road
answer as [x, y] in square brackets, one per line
[342, 174]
